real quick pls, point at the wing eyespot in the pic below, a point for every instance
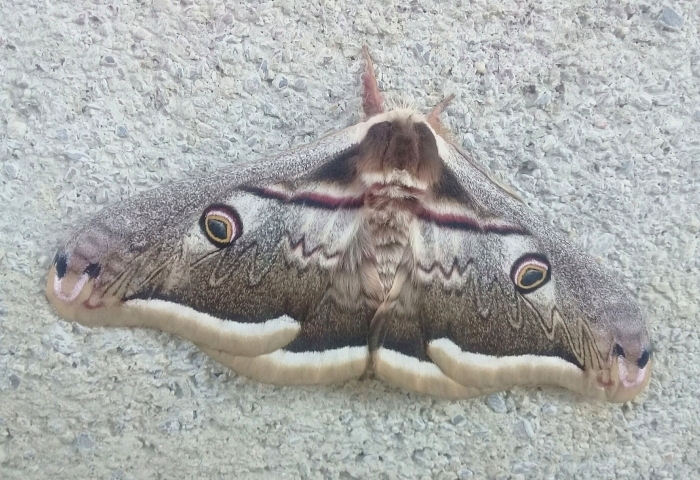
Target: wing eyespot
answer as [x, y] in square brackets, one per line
[221, 225]
[530, 272]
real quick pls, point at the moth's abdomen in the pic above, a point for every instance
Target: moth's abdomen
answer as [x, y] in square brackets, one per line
[386, 229]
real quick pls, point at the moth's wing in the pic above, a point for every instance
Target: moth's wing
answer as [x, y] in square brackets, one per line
[263, 285]
[462, 322]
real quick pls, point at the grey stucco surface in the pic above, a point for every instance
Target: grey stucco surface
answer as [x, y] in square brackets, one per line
[590, 110]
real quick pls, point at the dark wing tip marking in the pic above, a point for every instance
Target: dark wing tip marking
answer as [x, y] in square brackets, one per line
[644, 358]
[61, 262]
[93, 270]
[618, 351]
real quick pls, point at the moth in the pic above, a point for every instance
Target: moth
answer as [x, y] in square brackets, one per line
[379, 250]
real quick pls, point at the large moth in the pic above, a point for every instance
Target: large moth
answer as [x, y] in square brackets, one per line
[382, 249]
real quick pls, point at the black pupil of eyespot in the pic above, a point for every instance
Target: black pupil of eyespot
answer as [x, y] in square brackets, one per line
[531, 277]
[218, 229]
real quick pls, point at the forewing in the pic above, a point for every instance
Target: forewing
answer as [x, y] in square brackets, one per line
[242, 263]
[497, 298]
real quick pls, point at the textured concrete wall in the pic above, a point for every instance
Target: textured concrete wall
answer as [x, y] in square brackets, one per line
[591, 110]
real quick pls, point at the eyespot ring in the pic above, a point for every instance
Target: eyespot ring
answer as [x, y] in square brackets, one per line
[221, 225]
[530, 272]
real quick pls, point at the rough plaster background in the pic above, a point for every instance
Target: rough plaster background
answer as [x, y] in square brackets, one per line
[590, 109]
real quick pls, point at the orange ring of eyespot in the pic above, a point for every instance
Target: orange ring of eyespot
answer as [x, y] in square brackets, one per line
[526, 268]
[522, 267]
[226, 221]
[219, 212]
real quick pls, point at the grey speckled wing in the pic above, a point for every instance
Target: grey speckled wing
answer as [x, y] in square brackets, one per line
[381, 249]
